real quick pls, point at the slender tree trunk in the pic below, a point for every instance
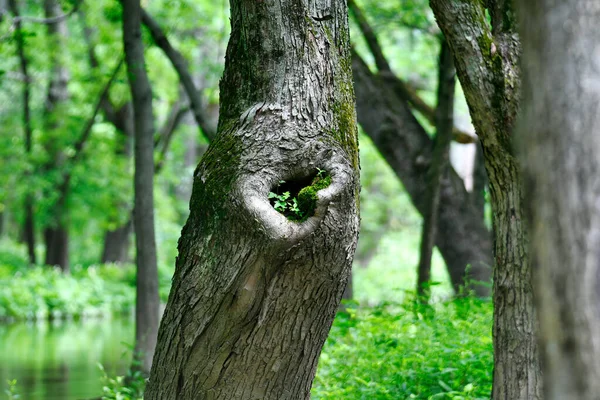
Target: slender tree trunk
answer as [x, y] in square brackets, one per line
[147, 300]
[560, 144]
[486, 62]
[56, 234]
[29, 223]
[254, 294]
[463, 239]
[439, 165]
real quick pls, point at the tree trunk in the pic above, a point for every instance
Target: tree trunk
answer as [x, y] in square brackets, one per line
[57, 247]
[486, 63]
[29, 222]
[560, 145]
[463, 239]
[147, 300]
[254, 294]
[439, 165]
[56, 234]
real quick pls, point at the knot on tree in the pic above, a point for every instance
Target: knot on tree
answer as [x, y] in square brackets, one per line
[291, 204]
[297, 199]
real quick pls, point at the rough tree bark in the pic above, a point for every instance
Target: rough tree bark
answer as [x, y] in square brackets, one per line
[463, 238]
[486, 62]
[56, 233]
[147, 299]
[254, 294]
[29, 221]
[439, 164]
[560, 145]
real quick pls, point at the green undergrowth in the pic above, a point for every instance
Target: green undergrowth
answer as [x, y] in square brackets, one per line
[43, 292]
[391, 351]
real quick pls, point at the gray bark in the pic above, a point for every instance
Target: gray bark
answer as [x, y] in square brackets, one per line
[560, 145]
[147, 299]
[29, 222]
[486, 62]
[463, 239]
[254, 294]
[438, 167]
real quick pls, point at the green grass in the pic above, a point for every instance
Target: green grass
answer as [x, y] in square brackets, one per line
[392, 352]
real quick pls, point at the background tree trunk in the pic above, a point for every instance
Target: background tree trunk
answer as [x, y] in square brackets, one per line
[486, 63]
[56, 234]
[560, 128]
[463, 238]
[29, 221]
[147, 300]
[254, 294]
[439, 165]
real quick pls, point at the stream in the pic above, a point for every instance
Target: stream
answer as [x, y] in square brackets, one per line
[59, 360]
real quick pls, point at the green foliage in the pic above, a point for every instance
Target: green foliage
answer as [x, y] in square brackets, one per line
[126, 387]
[302, 205]
[43, 292]
[11, 391]
[392, 352]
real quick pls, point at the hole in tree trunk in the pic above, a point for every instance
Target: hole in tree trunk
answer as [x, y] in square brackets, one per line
[296, 198]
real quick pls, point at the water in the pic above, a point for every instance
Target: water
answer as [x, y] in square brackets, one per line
[59, 361]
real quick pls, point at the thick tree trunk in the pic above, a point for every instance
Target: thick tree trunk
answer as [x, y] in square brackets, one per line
[254, 294]
[147, 300]
[560, 146]
[29, 222]
[439, 164]
[463, 238]
[486, 62]
[56, 234]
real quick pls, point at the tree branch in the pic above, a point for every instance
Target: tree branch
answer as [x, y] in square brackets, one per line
[370, 37]
[175, 117]
[180, 65]
[107, 107]
[403, 89]
[51, 20]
